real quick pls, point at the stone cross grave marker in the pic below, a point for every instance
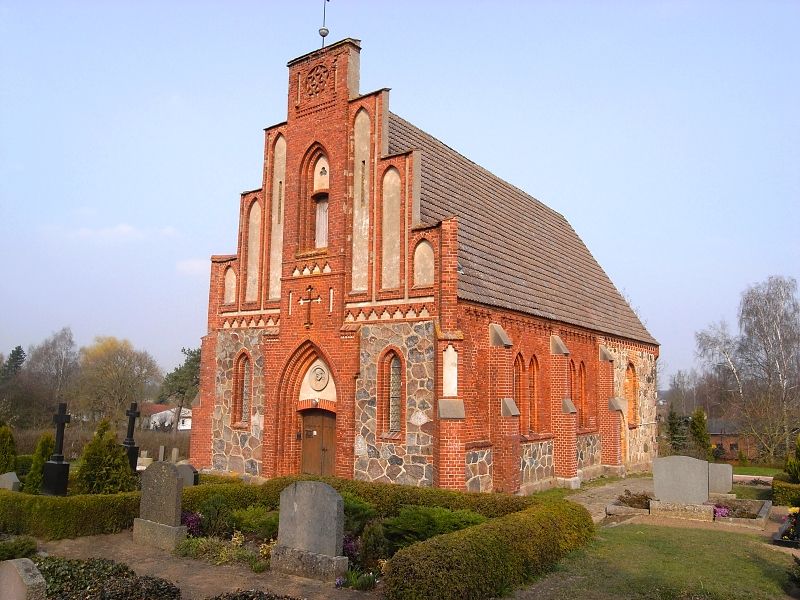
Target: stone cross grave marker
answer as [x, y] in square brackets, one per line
[131, 449]
[310, 532]
[21, 580]
[55, 474]
[159, 522]
[680, 480]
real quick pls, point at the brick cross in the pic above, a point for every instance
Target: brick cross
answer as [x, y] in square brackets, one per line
[307, 301]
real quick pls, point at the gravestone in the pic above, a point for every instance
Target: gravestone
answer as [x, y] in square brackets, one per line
[160, 453]
[9, 481]
[21, 580]
[720, 478]
[143, 462]
[55, 473]
[174, 457]
[680, 480]
[189, 474]
[310, 532]
[159, 522]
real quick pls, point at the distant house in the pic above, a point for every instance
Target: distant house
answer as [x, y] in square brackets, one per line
[159, 416]
[725, 436]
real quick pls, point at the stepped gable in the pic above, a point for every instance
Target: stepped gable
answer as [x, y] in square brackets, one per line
[514, 251]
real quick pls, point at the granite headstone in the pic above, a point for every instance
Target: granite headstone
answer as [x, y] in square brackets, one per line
[21, 580]
[720, 478]
[9, 481]
[189, 474]
[680, 480]
[159, 522]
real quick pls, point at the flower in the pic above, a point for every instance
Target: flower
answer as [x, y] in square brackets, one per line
[794, 510]
[340, 581]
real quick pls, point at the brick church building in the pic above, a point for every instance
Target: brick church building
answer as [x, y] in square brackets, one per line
[394, 312]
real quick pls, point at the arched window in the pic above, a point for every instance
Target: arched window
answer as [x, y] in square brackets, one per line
[229, 296]
[583, 408]
[535, 412]
[242, 391]
[277, 220]
[313, 228]
[253, 252]
[390, 230]
[518, 390]
[423, 264]
[390, 411]
[573, 386]
[632, 394]
[321, 185]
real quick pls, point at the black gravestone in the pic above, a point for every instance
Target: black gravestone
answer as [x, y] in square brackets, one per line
[55, 474]
[131, 449]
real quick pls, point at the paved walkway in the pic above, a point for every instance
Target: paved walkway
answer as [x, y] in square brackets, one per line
[596, 498]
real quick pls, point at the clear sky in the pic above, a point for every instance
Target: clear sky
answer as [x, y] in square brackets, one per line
[668, 134]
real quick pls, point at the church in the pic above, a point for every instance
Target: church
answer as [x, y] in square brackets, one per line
[396, 313]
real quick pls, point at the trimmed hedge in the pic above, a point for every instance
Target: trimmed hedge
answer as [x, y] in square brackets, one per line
[24, 462]
[785, 493]
[54, 517]
[491, 559]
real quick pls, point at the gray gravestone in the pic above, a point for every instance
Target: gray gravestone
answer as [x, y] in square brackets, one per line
[310, 532]
[159, 522]
[720, 478]
[680, 480]
[21, 580]
[160, 453]
[9, 481]
[174, 455]
[188, 474]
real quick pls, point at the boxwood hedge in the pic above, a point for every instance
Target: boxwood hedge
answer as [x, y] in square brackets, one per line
[785, 493]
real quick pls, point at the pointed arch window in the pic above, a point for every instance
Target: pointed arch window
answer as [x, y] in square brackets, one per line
[390, 405]
[632, 394]
[536, 418]
[395, 384]
[583, 408]
[518, 391]
[242, 391]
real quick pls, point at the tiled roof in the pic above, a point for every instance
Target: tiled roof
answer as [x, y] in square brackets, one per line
[514, 251]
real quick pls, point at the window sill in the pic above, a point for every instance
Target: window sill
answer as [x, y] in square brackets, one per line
[394, 435]
[535, 437]
[586, 430]
[241, 426]
[316, 252]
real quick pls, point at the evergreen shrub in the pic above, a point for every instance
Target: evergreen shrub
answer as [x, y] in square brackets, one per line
[490, 559]
[785, 493]
[18, 547]
[257, 519]
[104, 467]
[216, 516]
[24, 462]
[44, 450]
[357, 513]
[8, 450]
[417, 523]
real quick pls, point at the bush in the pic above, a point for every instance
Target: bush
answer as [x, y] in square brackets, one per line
[18, 547]
[104, 467]
[357, 513]
[100, 579]
[489, 559]
[785, 493]
[8, 450]
[44, 449]
[417, 523]
[216, 519]
[257, 519]
[220, 552]
[24, 462]
[793, 463]
[374, 545]
[55, 518]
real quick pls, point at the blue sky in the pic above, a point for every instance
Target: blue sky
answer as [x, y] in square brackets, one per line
[667, 133]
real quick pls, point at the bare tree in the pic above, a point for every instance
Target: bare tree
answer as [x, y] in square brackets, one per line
[759, 369]
[50, 369]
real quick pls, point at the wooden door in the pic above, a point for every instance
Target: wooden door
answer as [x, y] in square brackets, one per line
[319, 442]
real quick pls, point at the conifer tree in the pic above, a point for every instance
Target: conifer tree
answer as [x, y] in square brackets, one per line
[8, 450]
[698, 428]
[44, 449]
[104, 465]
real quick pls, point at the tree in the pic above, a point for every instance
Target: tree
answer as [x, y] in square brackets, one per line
[112, 375]
[677, 433]
[104, 467]
[11, 395]
[13, 365]
[44, 449]
[180, 386]
[698, 428]
[758, 370]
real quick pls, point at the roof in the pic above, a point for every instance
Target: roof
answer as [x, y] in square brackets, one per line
[513, 251]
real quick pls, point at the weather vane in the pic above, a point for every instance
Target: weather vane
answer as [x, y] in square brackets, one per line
[323, 31]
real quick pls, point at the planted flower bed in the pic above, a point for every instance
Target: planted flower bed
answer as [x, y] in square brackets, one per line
[789, 533]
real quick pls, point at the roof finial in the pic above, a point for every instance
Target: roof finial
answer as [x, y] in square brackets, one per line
[323, 31]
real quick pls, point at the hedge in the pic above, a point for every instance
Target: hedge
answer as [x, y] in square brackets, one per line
[491, 559]
[24, 462]
[785, 493]
[56, 517]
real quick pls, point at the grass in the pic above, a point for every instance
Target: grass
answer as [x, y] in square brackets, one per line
[752, 492]
[756, 470]
[645, 562]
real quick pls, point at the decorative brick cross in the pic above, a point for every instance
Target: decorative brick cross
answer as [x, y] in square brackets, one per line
[307, 301]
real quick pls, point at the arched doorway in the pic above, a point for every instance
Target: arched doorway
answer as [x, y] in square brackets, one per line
[318, 450]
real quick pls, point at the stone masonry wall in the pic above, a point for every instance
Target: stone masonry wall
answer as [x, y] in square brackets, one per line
[588, 447]
[536, 462]
[234, 448]
[478, 471]
[407, 458]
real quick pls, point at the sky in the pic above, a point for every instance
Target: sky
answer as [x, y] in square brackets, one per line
[667, 133]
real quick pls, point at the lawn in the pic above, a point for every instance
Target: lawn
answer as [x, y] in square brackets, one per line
[646, 562]
[756, 470]
[752, 492]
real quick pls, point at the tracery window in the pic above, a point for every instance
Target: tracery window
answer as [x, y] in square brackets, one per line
[242, 391]
[395, 384]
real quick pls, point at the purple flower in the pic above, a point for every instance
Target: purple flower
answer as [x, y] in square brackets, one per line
[192, 522]
[340, 581]
[721, 511]
[351, 547]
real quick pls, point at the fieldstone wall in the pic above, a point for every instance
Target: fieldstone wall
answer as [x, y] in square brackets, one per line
[536, 462]
[588, 450]
[643, 439]
[478, 471]
[408, 459]
[233, 448]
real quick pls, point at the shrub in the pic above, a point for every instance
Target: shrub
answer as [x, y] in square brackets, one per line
[18, 547]
[418, 523]
[8, 450]
[794, 571]
[55, 518]
[216, 519]
[489, 559]
[257, 519]
[793, 463]
[100, 579]
[374, 545]
[104, 467]
[44, 449]
[357, 513]
[24, 462]
[785, 493]
[220, 552]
